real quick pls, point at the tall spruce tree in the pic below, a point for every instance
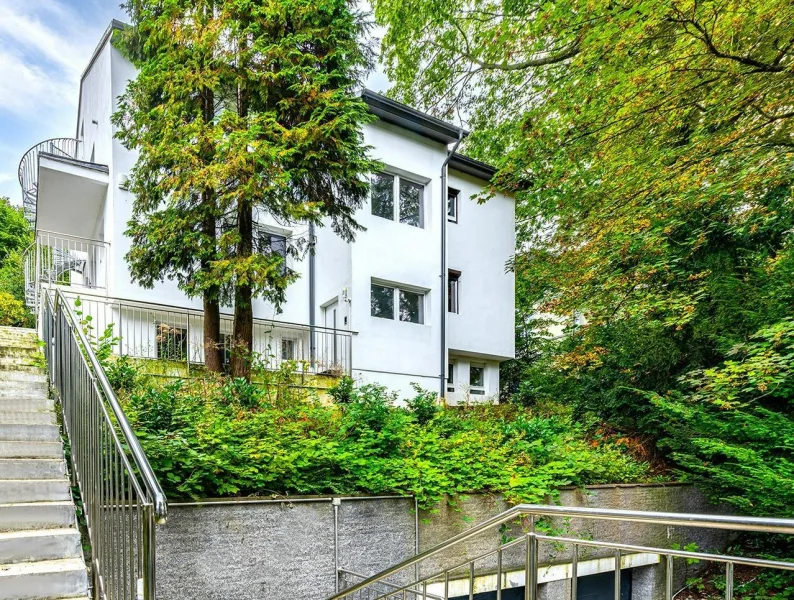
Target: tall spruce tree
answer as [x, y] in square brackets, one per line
[168, 115]
[283, 142]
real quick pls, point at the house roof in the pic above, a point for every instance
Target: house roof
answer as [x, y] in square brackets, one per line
[473, 167]
[409, 118]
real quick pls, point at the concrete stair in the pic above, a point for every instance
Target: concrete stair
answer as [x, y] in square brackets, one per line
[41, 555]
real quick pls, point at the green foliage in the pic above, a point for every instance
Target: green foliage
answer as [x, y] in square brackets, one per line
[122, 374]
[213, 437]
[730, 428]
[343, 391]
[13, 312]
[648, 146]
[101, 344]
[15, 232]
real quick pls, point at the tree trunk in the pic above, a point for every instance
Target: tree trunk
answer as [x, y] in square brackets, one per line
[213, 353]
[243, 336]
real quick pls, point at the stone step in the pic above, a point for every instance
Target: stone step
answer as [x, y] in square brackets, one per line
[13, 491]
[39, 544]
[31, 450]
[20, 432]
[24, 351]
[39, 417]
[32, 468]
[64, 578]
[36, 515]
[25, 367]
[34, 376]
[24, 389]
[32, 403]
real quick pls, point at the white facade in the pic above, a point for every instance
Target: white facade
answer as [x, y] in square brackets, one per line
[391, 254]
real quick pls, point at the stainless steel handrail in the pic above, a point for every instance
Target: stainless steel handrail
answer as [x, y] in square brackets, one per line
[531, 539]
[121, 496]
[139, 457]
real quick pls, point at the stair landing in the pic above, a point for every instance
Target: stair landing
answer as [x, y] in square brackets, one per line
[41, 555]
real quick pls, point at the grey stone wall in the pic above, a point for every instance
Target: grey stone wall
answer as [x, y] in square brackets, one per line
[286, 550]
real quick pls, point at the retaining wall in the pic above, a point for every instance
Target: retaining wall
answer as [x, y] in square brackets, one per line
[286, 550]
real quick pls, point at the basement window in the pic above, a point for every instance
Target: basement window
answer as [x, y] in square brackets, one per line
[171, 342]
[288, 349]
[390, 302]
[409, 208]
[477, 380]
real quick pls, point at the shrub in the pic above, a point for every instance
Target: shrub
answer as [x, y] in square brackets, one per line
[212, 437]
[122, 374]
[13, 312]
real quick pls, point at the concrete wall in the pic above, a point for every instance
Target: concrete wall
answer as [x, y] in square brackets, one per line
[285, 549]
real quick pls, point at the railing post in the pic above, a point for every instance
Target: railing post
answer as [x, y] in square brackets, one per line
[531, 572]
[149, 554]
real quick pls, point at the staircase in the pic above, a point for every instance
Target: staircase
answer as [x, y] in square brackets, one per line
[40, 550]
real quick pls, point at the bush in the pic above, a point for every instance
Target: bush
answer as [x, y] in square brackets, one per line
[213, 437]
[13, 312]
[122, 374]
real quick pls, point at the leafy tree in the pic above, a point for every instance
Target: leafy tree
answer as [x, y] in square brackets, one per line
[15, 237]
[649, 148]
[282, 142]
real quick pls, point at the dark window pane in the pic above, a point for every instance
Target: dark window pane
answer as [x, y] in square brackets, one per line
[477, 377]
[411, 203]
[382, 301]
[383, 196]
[453, 292]
[452, 204]
[171, 342]
[411, 307]
[287, 349]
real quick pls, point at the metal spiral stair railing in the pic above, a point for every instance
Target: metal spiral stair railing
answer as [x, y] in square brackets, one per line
[28, 173]
[29, 169]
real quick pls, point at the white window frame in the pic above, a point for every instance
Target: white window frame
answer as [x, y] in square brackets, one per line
[451, 368]
[395, 193]
[396, 288]
[477, 390]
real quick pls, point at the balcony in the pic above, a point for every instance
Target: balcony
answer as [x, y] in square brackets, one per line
[64, 260]
[28, 171]
[174, 336]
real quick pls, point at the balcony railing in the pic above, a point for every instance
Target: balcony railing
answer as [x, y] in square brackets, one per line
[28, 171]
[152, 331]
[64, 260]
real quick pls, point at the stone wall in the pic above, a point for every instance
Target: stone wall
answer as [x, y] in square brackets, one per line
[285, 550]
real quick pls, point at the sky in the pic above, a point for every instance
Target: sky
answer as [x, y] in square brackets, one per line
[44, 47]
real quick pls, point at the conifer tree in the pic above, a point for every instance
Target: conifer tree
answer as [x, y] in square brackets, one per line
[284, 142]
[168, 115]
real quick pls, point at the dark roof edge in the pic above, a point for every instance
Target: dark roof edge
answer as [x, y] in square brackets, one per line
[77, 163]
[409, 118]
[472, 167]
[115, 25]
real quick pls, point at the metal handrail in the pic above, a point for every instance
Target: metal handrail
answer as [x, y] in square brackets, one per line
[153, 486]
[121, 495]
[531, 539]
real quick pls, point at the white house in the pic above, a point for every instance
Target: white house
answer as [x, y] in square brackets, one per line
[422, 296]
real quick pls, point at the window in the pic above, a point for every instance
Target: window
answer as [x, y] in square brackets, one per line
[382, 301]
[408, 306]
[452, 204]
[411, 203]
[270, 243]
[287, 349]
[408, 209]
[170, 342]
[383, 196]
[226, 350]
[477, 380]
[451, 377]
[453, 291]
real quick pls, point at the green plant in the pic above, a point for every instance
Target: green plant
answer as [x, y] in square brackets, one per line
[424, 405]
[13, 312]
[215, 437]
[122, 374]
[342, 392]
[102, 344]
